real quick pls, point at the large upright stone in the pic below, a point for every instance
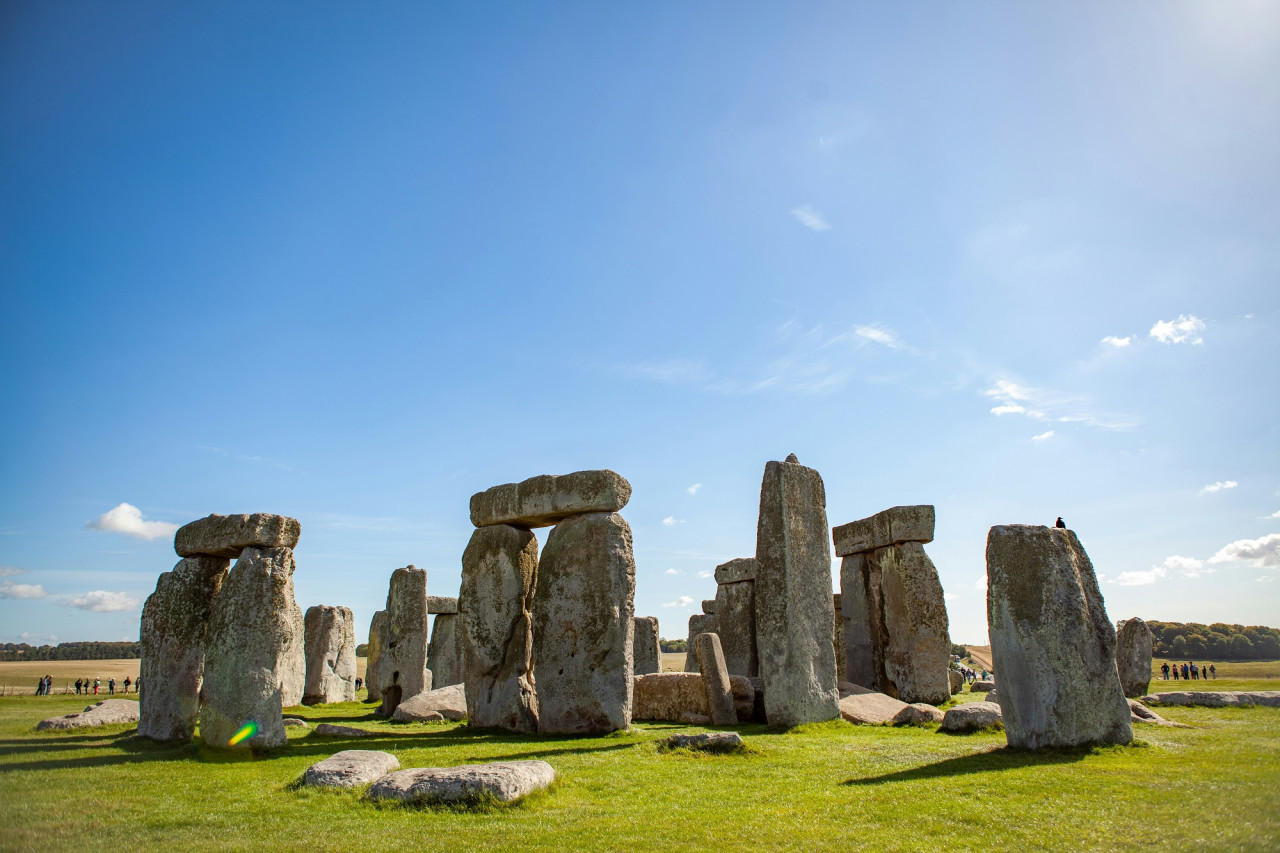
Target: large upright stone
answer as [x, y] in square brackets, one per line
[859, 599]
[837, 638]
[373, 657]
[913, 616]
[646, 654]
[403, 670]
[582, 626]
[794, 617]
[228, 535]
[715, 680]
[699, 623]
[736, 624]
[253, 664]
[175, 619]
[547, 499]
[495, 621]
[330, 643]
[444, 653]
[1133, 657]
[892, 526]
[1052, 644]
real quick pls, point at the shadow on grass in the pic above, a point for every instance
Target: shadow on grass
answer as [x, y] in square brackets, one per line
[1000, 758]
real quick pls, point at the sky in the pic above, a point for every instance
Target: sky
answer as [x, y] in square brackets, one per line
[353, 263]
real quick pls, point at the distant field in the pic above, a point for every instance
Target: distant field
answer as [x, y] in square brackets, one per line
[20, 676]
[673, 661]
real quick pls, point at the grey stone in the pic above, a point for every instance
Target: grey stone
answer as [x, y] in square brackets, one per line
[449, 702]
[957, 681]
[228, 535]
[1217, 698]
[373, 659]
[794, 617]
[403, 667]
[506, 781]
[992, 696]
[715, 680]
[583, 608]
[860, 598]
[709, 606]
[350, 768]
[736, 571]
[735, 622]
[332, 730]
[669, 696]
[837, 639]
[699, 623]
[105, 713]
[254, 665]
[646, 652]
[175, 619]
[444, 653]
[1133, 656]
[982, 686]
[495, 621]
[547, 499]
[706, 742]
[691, 719]
[890, 527]
[971, 717]
[1051, 641]
[330, 649]
[918, 714]
[871, 709]
[914, 617]
[443, 605]
[1140, 713]
[294, 723]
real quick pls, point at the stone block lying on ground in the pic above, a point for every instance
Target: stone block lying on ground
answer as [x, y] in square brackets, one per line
[331, 730]
[294, 722]
[506, 781]
[982, 686]
[871, 709]
[971, 717]
[1217, 698]
[449, 702]
[105, 713]
[706, 742]
[548, 499]
[1142, 714]
[668, 696]
[918, 714]
[350, 768]
[890, 527]
[228, 535]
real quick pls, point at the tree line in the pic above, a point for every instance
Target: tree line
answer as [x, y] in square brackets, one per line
[1218, 641]
[86, 650]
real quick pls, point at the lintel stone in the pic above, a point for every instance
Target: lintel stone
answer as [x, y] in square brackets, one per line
[890, 527]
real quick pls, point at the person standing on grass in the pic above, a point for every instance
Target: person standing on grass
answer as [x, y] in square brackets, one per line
[126, 684]
[111, 686]
[40, 687]
[137, 686]
[1164, 670]
[1213, 670]
[97, 682]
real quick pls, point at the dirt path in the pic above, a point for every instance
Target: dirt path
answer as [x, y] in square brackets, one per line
[981, 655]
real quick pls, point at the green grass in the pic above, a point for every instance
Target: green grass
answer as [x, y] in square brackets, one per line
[831, 786]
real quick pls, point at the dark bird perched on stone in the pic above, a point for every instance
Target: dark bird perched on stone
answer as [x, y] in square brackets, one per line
[1061, 525]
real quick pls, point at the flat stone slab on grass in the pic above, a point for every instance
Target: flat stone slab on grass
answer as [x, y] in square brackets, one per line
[449, 703]
[350, 768]
[331, 730]
[982, 686]
[506, 781]
[105, 713]
[871, 708]
[548, 499]
[228, 535]
[918, 714]
[1140, 713]
[1217, 699]
[706, 742]
[971, 717]
[294, 721]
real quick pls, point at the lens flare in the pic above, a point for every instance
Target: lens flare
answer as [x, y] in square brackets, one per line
[247, 731]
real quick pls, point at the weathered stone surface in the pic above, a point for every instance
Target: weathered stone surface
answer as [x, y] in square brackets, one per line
[495, 621]
[982, 686]
[1051, 641]
[646, 653]
[758, 714]
[736, 571]
[442, 604]
[1217, 698]
[582, 626]
[373, 659]
[350, 768]
[449, 702]
[330, 649]
[547, 499]
[699, 623]
[403, 668]
[890, 527]
[709, 606]
[1140, 713]
[691, 719]
[294, 723]
[105, 713]
[332, 730]
[228, 535]
[1133, 656]
[444, 654]
[735, 622]
[794, 617]
[863, 657]
[914, 615]
[506, 781]
[715, 680]
[991, 696]
[837, 639]
[744, 698]
[872, 709]
[971, 717]
[671, 695]
[957, 681]
[918, 714]
[848, 688]
[706, 742]
[175, 619]
[254, 666]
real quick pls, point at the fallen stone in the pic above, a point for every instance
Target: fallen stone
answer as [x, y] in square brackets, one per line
[1142, 714]
[1217, 699]
[330, 650]
[736, 571]
[1051, 641]
[547, 499]
[350, 768]
[442, 605]
[294, 722]
[228, 535]
[646, 651]
[373, 659]
[444, 652]
[691, 719]
[980, 686]
[918, 714]
[884, 529]
[506, 781]
[105, 713]
[735, 622]
[971, 717]
[332, 730]
[447, 702]
[699, 623]
[991, 697]
[1133, 656]
[666, 696]
[848, 688]
[715, 680]
[870, 709]
[402, 669]
[706, 742]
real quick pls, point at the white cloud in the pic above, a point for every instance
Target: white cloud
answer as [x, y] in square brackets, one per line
[9, 589]
[1142, 578]
[1263, 552]
[950, 596]
[981, 583]
[101, 601]
[1189, 566]
[682, 601]
[1042, 405]
[810, 218]
[1042, 437]
[1220, 486]
[10, 571]
[1118, 343]
[1008, 409]
[1265, 579]
[1275, 514]
[877, 335]
[127, 519]
[671, 572]
[706, 574]
[693, 490]
[1185, 329]
[672, 521]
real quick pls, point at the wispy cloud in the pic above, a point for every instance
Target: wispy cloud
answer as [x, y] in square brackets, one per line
[673, 372]
[102, 601]
[672, 521]
[1185, 329]
[682, 601]
[706, 574]
[1188, 566]
[1263, 552]
[1042, 437]
[693, 490]
[10, 571]
[878, 335]
[1275, 514]
[243, 457]
[1052, 406]
[810, 218]
[1220, 486]
[671, 572]
[980, 583]
[950, 596]
[9, 589]
[127, 519]
[1141, 578]
[1118, 343]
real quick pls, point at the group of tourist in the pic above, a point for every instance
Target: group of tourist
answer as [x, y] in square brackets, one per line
[44, 686]
[971, 675]
[1189, 671]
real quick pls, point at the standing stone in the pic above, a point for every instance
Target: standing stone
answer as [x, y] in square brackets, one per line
[715, 680]
[859, 599]
[646, 651]
[444, 654]
[373, 660]
[175, 619]
[330, 644]
[495, 624]
[403, 670]
[794, 617]
[736, 615]
[699, 623]
[582, 626]
[254, 666]
[1133, 656]
[1051, 641]
[837, 639]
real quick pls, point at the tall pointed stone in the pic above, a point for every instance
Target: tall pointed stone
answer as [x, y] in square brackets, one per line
[330, 644]
[1133, 657]
[373, 658]
[403, 670]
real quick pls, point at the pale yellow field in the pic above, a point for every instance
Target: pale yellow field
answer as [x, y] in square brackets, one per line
[673, 661]
[20, 676]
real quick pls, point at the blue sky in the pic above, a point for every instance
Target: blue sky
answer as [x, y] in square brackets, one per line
[354, 263]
